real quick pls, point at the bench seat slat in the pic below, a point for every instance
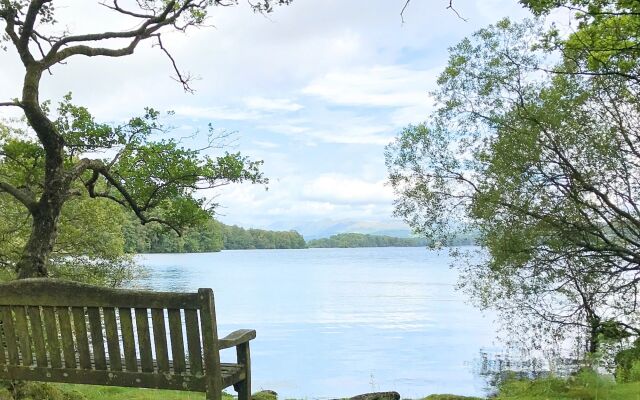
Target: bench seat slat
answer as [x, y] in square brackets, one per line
[9, 334]
[193, 341]
[160, 339]
[66, 334]
[22, 333]
[3, 357]
[38, 336]
[177, 341]
[53, 341]
[128, 341]
[144, 339]
[82, 339]
[113, 341]
[97, 338]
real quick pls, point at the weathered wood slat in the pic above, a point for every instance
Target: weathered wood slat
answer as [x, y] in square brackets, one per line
[144, 339]
[193, 341]
[10, 335]
[210, 337]
[53, 292]
[127, 379]
[38, 336]
[97, 338]
[128, 341]
[23, 335]
[53, 341]
[66, 334]
[82, 340]
[160, 339]
[177, 341]
[3, 357]
[113, 341]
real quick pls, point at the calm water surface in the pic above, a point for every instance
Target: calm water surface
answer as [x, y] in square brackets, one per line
[337, 322]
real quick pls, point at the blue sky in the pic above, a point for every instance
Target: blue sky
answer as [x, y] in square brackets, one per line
[316, 90]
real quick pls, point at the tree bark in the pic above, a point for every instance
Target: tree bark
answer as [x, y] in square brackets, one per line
[37, 252]
[35, 256]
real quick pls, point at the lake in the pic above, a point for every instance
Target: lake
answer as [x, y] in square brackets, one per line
[334, 323]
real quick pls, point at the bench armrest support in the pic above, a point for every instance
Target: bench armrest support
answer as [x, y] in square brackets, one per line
[236, 338]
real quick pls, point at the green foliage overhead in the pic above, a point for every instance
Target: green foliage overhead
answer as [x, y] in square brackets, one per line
[536, 148]
[56, 155]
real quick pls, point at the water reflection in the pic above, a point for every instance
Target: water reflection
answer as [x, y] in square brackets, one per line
[337, 322]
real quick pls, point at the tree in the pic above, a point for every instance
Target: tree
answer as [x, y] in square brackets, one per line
[155, 178]
[540, 157]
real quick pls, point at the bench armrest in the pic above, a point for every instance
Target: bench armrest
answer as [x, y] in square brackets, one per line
[236, 338]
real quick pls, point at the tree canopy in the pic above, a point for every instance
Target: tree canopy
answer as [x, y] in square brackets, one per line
[49, 161]
[534, 144]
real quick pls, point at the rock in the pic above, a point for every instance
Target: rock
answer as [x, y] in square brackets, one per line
[377, 396]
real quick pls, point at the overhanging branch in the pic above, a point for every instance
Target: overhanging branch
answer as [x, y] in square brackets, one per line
[23, 197]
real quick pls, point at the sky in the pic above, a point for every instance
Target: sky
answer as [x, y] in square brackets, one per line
[315, 89]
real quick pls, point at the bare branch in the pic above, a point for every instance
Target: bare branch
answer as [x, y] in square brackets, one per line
[11, 104]
[406, 4]
[184, 80]
[450, 7]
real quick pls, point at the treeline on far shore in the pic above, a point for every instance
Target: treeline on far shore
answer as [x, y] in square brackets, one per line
[211, 236]
[349, 240]
[214, 236]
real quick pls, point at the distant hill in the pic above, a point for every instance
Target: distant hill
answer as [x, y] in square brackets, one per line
[325, 228]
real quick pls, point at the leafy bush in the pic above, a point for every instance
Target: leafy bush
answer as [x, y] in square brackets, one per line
[625, 361]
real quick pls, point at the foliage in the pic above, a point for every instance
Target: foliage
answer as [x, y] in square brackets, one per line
[540, 157]
[48, 162]
[586, 385]
[348, 240]
[235, 237]
[211, 236]
[38, 391]
[89, 246]
[627, 363]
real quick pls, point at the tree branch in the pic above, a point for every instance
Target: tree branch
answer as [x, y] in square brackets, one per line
[184, 80]
[99, 169]
[20, 195]
[11, 104]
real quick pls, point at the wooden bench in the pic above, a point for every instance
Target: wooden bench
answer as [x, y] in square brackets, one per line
[57, 331]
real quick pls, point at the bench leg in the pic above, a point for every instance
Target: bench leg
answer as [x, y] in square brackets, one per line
[244, 387]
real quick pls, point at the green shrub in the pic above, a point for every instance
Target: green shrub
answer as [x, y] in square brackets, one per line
[625, 360]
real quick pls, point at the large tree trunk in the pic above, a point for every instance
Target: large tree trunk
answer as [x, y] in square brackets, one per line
[593, 341]
[37, 252]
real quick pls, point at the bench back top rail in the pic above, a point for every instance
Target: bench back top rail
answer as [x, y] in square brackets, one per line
[70, 332]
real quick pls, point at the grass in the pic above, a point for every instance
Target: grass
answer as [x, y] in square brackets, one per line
[584, 386]
[119, 393]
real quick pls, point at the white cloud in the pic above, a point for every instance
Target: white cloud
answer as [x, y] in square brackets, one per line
[341, 189]
[379, 86]
[217, 113]
[266, 104]
[265, 144]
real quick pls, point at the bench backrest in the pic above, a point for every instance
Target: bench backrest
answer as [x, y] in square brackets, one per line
[69, 332]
